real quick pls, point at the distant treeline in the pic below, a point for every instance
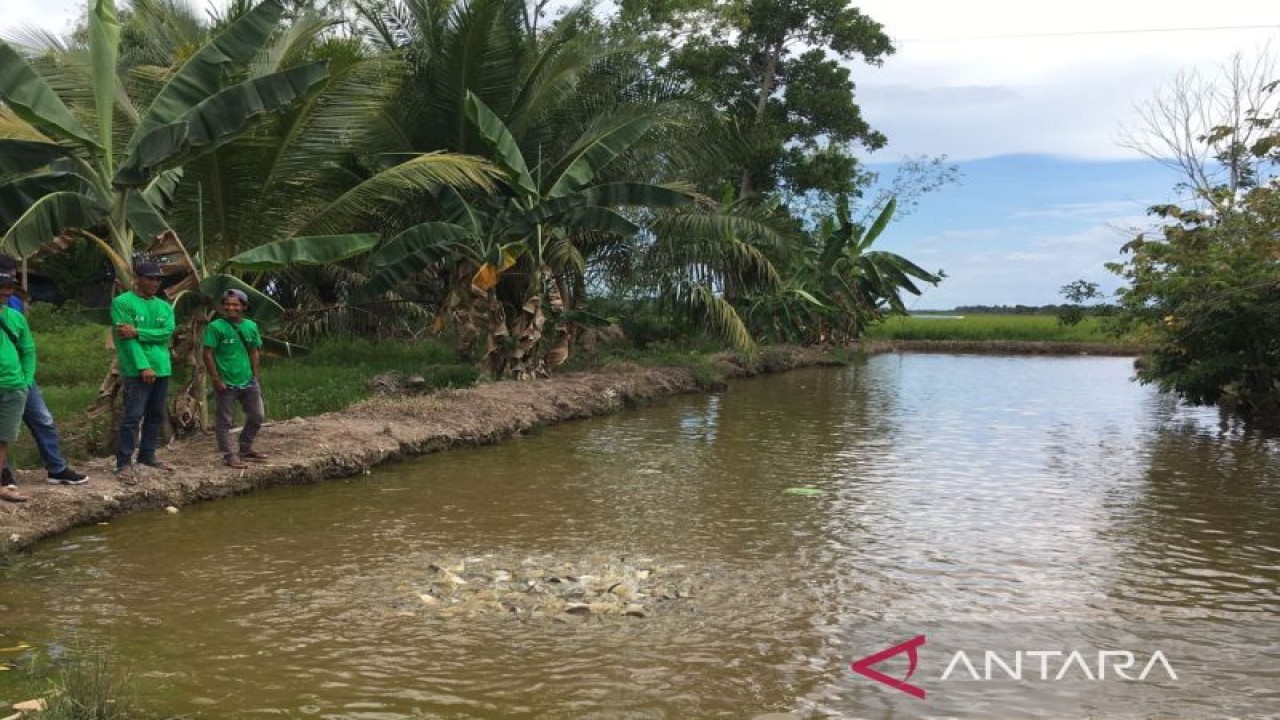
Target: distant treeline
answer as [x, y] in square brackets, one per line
[1019, 309]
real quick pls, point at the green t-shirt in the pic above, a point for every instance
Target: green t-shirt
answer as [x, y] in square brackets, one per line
[230, 354]
[17, 369]
[154, 320]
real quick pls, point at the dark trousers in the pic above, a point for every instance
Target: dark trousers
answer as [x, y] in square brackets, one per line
[250, 398]
[144, 404]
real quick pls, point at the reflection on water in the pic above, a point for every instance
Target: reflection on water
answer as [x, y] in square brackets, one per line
[955, 489]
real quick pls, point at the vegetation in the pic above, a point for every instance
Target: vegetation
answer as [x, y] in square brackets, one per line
[992, 327]
[1078, 293]
[84, 683]
[467, 169]
[1206, 285]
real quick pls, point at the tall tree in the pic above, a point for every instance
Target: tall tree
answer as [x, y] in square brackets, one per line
[778, 68]
[1205, 287]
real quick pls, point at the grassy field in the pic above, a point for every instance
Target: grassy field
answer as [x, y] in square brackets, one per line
[990, 327]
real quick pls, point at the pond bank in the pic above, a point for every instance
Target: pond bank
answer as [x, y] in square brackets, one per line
[347, 443]
[350, 442]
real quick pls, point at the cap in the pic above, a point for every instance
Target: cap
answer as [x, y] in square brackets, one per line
[8, 279]
[148, 269]
[237, 294]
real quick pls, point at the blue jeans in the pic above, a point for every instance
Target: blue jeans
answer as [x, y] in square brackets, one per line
[39, 421]
[144, 404]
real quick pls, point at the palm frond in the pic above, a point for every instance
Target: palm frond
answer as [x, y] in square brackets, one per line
[408, 179]
[698, 303]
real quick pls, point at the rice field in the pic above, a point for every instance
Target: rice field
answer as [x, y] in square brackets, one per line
[980, 327]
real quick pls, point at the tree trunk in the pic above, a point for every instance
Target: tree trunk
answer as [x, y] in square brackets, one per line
[767, 83]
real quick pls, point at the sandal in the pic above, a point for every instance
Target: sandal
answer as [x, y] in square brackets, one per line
[254, 455]
[159, 465]
[234, 461]
[11, 494]
[125, 475]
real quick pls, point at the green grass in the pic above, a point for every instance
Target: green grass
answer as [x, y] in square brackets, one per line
[694, 354]
[991, 328]
[83, 683]
[335, 374]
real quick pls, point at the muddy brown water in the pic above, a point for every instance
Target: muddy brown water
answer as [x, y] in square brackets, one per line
[978, 501]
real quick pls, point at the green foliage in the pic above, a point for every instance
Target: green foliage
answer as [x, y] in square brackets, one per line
[121, 186]
[1206, 286]
[86, 684]
[779, 71]
[336, 372]
[989, 327]
[1207, 289]
[836, 284]
[1077, 292]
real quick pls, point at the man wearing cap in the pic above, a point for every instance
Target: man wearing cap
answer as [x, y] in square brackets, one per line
[37, 417]
[17, 374]
[144, 327]
[231, 355]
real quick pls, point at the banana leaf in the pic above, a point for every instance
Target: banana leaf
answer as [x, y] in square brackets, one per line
[17, 196]
[596, 151]
[31, 98]
[406, 255]
[48, 217]
[314, 250]
[509, 157]
[19, 156]
[217, 120]
[202, 74]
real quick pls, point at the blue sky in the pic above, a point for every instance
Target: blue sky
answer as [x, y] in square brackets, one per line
[1032, 101]
[1018, 227]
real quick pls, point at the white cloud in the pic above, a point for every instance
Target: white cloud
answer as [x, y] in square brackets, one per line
[963, 84]
[1107, 209]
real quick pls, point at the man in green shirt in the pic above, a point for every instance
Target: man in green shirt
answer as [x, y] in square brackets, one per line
[143, 328]
[17, 374]
[231, 355]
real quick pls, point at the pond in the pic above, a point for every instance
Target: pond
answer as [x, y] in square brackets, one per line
[753, 543]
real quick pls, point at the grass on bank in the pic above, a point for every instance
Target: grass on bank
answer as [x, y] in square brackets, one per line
[82, 683]
[982, 327]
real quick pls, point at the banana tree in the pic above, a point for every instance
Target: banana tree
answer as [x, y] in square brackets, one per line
[111, 188]
[839, 285]
[510, 254]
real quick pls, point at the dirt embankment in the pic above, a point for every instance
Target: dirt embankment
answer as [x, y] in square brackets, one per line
[311, 449]
[333, 445]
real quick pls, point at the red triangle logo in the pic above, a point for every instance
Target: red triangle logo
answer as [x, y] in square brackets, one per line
[863, 666]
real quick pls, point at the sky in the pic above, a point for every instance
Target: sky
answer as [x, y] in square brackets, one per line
[1031, 100]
